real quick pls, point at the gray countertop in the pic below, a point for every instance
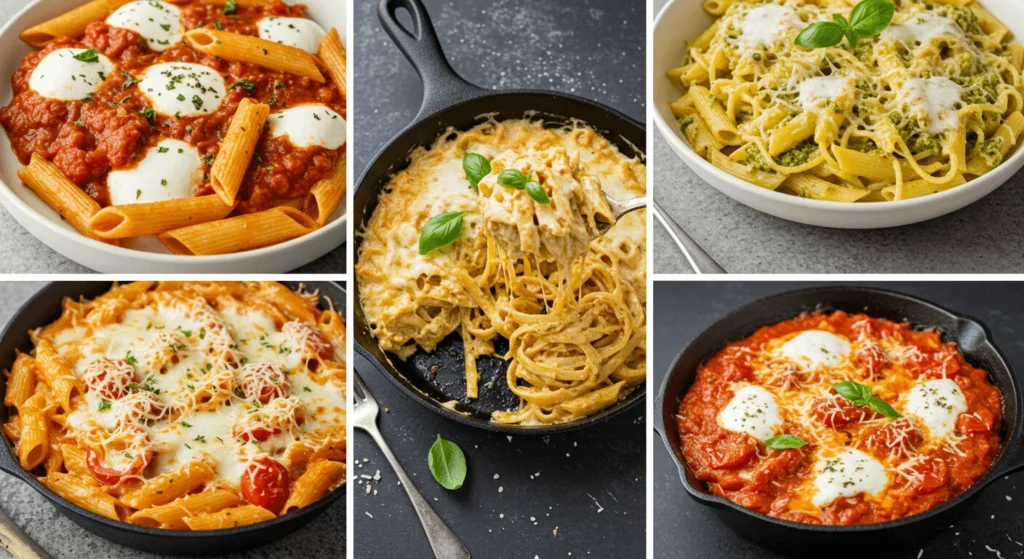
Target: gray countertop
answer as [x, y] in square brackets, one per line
[24, 254]
[986, 237]
[991, 526]
[64, 539]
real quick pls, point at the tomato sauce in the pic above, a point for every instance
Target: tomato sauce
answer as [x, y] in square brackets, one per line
[87, 138]
[741, 468]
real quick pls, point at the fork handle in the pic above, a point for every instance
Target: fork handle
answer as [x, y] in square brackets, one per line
[17, 542]
[443, 541]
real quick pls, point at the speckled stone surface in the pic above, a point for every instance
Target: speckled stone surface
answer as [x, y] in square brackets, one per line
[24, 254]
[986, 237]
[591, 482]
[324, 538]
[685, 528]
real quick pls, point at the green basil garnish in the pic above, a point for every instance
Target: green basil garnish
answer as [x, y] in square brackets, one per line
[868, 19]
[440, 230]
[537, 192]
[513, 178]
[862, 395]
[447, 464]
[91, 55]
[476, 168]
[230, 7]
[782, 442]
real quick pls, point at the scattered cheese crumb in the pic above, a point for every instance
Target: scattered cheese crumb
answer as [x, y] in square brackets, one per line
[496, 476]
[501, 489]
[368, 514]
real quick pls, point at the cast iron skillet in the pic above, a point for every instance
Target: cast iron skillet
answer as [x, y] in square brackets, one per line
[970, 336]
[450, 101]
[44, 308]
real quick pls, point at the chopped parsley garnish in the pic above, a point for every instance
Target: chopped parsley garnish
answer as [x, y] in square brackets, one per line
[197, 102]
[131, 358]
[121, 102]
[200, 438]
[79, 123]
[104, 404]
[162, 150]
[230, 7]
[186, 424]
[91, 55]
[217, 25]
[208, 158]
[148, 113]
[244, 83]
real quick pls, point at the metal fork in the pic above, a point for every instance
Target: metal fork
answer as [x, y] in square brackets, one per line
[443, 541]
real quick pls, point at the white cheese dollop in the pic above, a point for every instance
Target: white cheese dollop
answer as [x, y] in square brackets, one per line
[170, 170]
[816, 348]
[934, 99]
[61, 76]
[292, 31]
[752, 410]
[307, 125]
[847, 474]
[158, 22]
[183, 88]
[937, 403]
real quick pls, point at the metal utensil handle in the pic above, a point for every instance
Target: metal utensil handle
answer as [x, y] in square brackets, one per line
[16, 541]
[443, 541]
[626, 206]
[699, 260]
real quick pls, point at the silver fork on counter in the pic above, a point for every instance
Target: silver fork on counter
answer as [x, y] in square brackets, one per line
[443, 541]
[16, 542]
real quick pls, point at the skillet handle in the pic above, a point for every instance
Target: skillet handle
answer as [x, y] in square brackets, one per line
[16, 542]
[442, 86]
[1013, 460]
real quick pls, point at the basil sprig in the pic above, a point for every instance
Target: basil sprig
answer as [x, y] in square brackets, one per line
[447, 464]
[91, 55]
[862, 395]
[476, 168]
[537, 192]
[782, 442]
[513, 178]
[439, 231]
[868, 19]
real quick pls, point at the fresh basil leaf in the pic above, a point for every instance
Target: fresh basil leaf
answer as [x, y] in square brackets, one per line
[476, 168]
[883, 407]
[537, 192]
[851, 34]
[91, 55]
[230, 7]
[854, 392]
[870, 17]
[783, 442]
[512, 178]
[447, 464]
[820, 35]
[439, 231]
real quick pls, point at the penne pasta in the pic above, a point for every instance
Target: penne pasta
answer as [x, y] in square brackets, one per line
[57, 375]
[138, 220]
[237, 149]
[244, 232]
[314, 483]
[88, 496]
[64, 196]
[325, 196]
[71, 23]
[34, 442]
[173, 515]
[253, 50]
[332, 54]
[21, 382]
[229, 518]
[168, 487]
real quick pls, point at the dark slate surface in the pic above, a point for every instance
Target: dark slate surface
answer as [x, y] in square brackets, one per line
[592, 48]
[994, 525]
[587, 501]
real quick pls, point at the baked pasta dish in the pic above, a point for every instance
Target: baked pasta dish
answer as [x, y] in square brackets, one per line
[217, 126]
[184, 405]
[496, 232]
[840, 420]
[927, 103]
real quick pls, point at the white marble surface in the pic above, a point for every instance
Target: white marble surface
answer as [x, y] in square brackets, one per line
[323, 538]
[24, 254]
[986, 237]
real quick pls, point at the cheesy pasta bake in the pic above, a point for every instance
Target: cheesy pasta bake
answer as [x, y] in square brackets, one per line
[931, 102]
[184, 405]
[522, 204]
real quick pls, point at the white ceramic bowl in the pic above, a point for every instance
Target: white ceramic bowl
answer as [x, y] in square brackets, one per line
[46, 224]
[683, 20]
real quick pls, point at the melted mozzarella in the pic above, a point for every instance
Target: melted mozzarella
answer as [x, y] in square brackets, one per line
[292, 31]
[937, 403]
[183, 88]
[61, 76]
[170, 170]
[847, 474]
[935, 100]
[158, 22]
[752, 410]
[812, 91]
[922, 28]
[761, 25]
[816, 348]
[308, 125]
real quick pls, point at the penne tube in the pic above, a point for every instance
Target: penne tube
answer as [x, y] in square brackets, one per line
[810, 186]
[237, 148]
[139, 220]
[314, 483]
[172, 515]
[70, 23]
[54, 371]
[22, 382]
[332, 54]
[714, 115]
[167, 487]
[771, 181]
[244, 232]
[243, 48]
[88, 496]
[34, 444]
[916, 189]
[229, 518]
[326, 194]
[71, 202]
